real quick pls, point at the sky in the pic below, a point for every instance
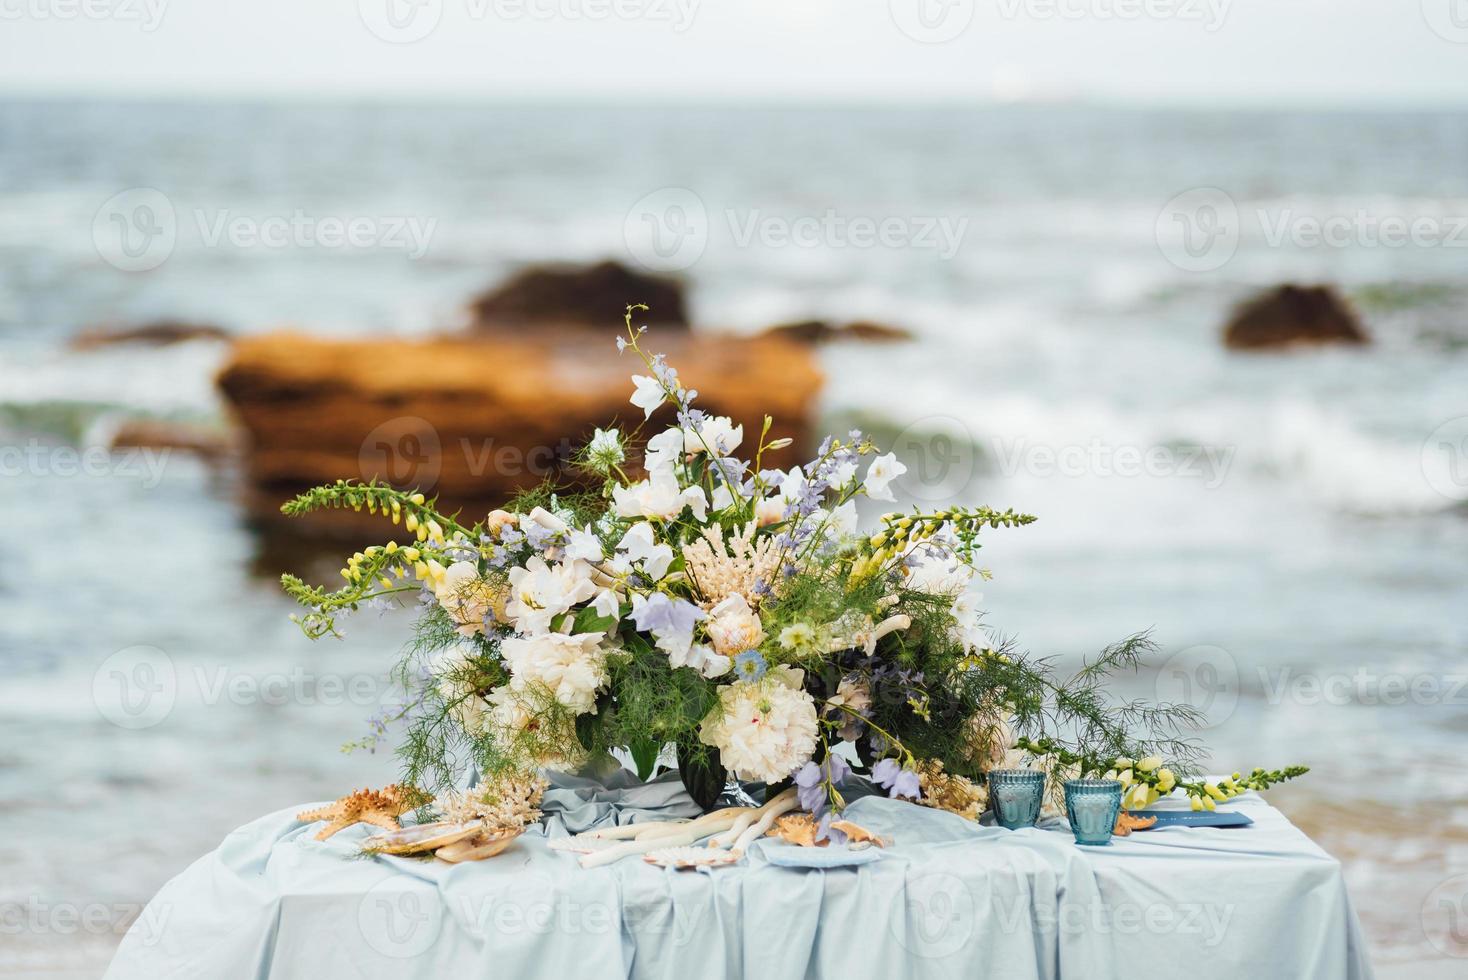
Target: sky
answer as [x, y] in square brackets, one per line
[1221, 52]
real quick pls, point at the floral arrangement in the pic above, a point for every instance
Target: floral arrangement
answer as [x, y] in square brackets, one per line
[684, 605]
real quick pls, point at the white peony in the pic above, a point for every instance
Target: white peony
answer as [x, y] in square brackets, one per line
[639, 547]
[763, 730]
[569, 668]
[540, 592]
[453, 671]
[659, 496]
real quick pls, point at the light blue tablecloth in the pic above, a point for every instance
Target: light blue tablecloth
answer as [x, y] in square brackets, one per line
[948, 899]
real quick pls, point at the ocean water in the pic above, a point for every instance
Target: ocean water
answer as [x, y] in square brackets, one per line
[1290, 526]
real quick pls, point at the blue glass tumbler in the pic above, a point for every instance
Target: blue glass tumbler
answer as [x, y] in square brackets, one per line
[1016, 796]
[1092, 806]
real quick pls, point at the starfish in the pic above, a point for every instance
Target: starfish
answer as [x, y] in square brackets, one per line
[1128, 822]
[378, 807]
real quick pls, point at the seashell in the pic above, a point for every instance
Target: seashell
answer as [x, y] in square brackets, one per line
[421, 838]
[581, 844]
[797, 828]
[689, 857]
[485, 844]
[857, 836]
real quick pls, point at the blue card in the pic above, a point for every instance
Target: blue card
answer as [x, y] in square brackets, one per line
[1194, 818]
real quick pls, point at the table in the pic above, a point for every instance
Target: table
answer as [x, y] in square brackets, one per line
[949, 898]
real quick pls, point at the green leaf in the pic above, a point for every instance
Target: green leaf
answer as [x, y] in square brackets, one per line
[645, 755]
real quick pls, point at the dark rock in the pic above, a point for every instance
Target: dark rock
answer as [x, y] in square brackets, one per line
[579, 296]
[158, 333]
[1288, 315]
[823, 332]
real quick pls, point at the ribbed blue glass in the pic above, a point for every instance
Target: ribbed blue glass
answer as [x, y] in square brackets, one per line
[1092, 806]
[1016, 795]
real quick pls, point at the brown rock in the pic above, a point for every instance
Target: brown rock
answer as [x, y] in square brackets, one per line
[473, 420]
[158, 333]
[1288, 315]
[823, 332]
[579, 296]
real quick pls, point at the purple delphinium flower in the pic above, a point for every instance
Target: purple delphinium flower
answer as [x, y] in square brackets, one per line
[812, 780]
[541, 538]
[896, 780]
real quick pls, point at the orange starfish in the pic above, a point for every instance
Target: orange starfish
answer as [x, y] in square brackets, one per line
[380, 808]
[1128, 822]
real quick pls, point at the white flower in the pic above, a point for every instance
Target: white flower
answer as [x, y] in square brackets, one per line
[843, 521]
[584, 546]
[769, 511]
[570, 668]
[659, 496]
[540, 592]
[638, 547]
[649, 394]
[716, 434]
[763, 730]
[734, 627]
[465, 596]
[884, 470]
[663, 449]
[939, 572]
[702, 658]
[606, 447]
[842, 475]
[512, 714]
